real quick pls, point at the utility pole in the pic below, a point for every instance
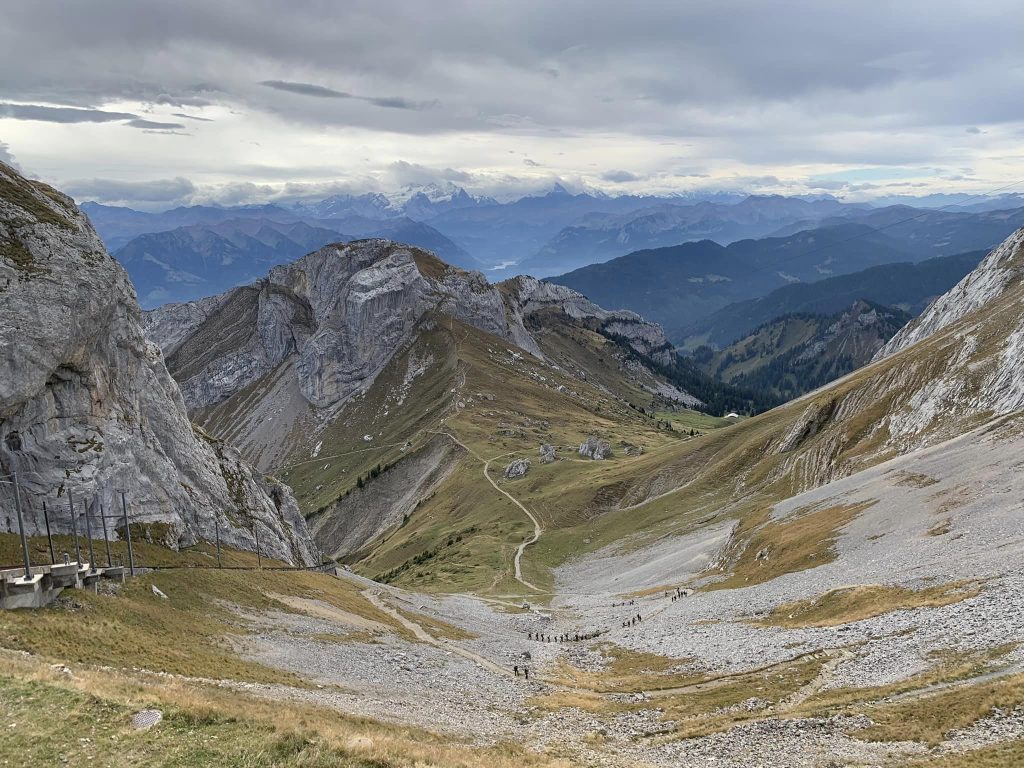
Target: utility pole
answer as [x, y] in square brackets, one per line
[256, 532]
[14, 445]
[49, 538]
[21, 528]
[106, 538]
[128, 535]
[88, 535]
[74, 527]
[216, 527]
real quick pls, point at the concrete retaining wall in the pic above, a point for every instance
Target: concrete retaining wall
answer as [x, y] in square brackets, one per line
[48, 581]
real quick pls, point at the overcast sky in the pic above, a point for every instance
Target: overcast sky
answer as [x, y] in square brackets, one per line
[160, 103]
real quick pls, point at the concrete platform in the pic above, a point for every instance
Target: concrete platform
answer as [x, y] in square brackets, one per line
[48, 581]
[23, 593]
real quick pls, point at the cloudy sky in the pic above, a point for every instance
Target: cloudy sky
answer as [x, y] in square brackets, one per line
[160, 103]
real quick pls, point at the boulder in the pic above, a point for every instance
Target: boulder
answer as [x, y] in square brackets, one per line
[517, 468]
[548, 454]
[595, 448]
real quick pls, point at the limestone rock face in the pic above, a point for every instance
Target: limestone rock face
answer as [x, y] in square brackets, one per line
[1001, 270]
[342, 312]
[595, 448]
[87, 406]
[530, 295]
[517, 469]
[548, 454]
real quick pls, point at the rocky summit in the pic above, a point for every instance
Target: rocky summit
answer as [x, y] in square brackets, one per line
[88, 410]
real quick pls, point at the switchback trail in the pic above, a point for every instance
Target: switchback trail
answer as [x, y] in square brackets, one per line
[537, 529]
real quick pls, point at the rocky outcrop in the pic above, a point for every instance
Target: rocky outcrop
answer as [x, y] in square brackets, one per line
[87, 407]
[386, 502]
[595, 448]
[548, 454]
[528, 295]
[342, 313]
[517, 469]
[1001, 269]
[956, 369]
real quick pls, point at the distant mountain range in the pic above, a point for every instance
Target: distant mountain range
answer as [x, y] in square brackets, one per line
[201, 260]
[598, 237]
[904, 285]
[559, 232]
[207, 253]
[682, 286]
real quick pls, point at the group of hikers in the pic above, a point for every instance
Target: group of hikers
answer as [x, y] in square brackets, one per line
[574, 637]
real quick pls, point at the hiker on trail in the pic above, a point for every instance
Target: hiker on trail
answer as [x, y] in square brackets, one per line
[529, 635]
[516, 670]
[526, 671]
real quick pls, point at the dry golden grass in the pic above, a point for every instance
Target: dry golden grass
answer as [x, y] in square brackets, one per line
[769, 549]
[1005, 755]
[87, 722]
[930, 718]
[627, 671]
[702, 708]
[148, 554]
[437, 628]
[699, 701]
[188, 634]
[950, 668]
[855, 603]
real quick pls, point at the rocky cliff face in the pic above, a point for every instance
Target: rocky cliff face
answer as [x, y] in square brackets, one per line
[87, 407]
[952, 370]
[344, 311]
[1002, 269]
[528, 295]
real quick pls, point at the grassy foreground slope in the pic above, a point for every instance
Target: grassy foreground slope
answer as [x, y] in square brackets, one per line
[73, 675]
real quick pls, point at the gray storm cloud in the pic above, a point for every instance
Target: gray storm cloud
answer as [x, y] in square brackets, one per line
[741, 83]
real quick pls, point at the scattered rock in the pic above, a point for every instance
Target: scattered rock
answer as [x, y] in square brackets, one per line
[147, 718]
[158, 593]
[548, 454]
[517, 468]
[595, 448]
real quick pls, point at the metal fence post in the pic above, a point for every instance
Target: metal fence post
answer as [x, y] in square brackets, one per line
[88, 535]
[49, 538]
[21, 527]
[128, 535]
[216, 528]
[256, 532]
[106, 538]
[74, 528]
